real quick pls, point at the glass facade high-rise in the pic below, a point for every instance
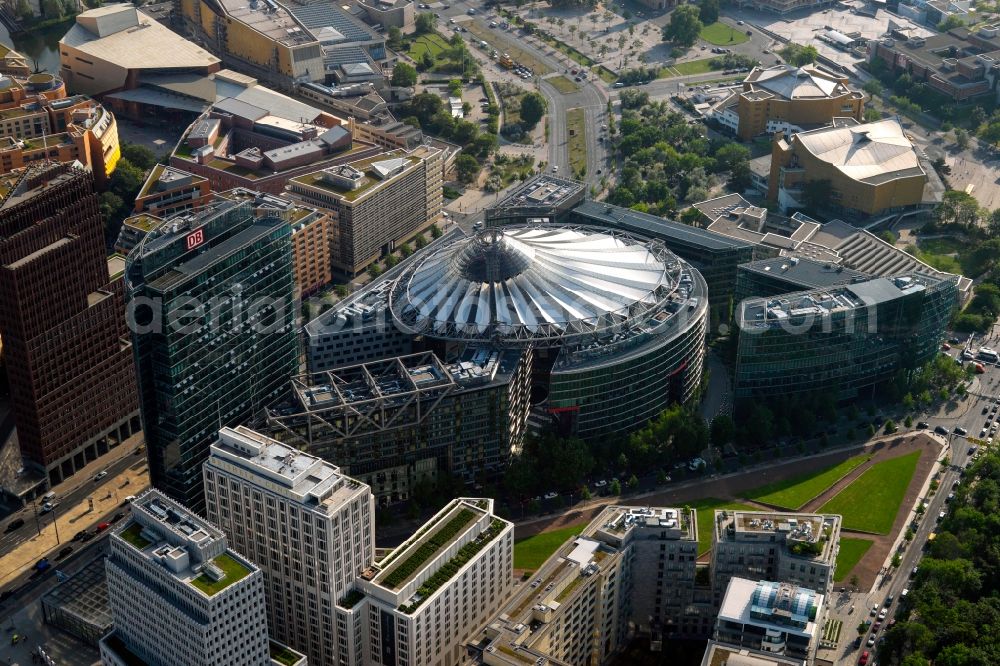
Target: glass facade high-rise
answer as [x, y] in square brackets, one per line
[211, 308]
[845, 339]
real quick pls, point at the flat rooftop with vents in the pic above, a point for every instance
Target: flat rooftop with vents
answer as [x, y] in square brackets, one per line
[188, 547]
[783, 529]
[306, 478]
[774, 311]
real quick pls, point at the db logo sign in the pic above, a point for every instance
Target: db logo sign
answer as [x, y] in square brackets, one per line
[195, 238]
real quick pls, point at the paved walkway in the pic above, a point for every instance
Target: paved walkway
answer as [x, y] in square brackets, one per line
[73, 519]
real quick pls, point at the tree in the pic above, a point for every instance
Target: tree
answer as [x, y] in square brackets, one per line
[684, 26]
[395, 37]
[888, 237]
[52, 9]
[126, 180]
[708, 11]
[467, 168]
[110, 204]
[961, 138]
[425, 23]
[798, 55]
[403, 75]
[139, 155]
[871, 115]
[723, 430]
[732, 156]
[427, 61]
[532, 109]
[616, 487]
[873, 87]
[436, 231]
[951, 21]
[23, 10]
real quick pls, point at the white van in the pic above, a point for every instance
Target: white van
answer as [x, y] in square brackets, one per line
[49, 496]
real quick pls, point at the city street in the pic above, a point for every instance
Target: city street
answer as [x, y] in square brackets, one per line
[22, 614]
[83, 504]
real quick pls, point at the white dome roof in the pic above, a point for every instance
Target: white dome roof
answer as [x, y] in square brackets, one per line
[533, 282]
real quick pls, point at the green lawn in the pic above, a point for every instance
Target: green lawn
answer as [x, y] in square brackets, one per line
[871, 502]
[851, 552]
[563, 85]
[692, 67]
[721, 34]
[233, 570]
[518, 55]
[606, 74]
[432, 43]
[706, 514]
[795, 492]
[576, 131]
[531, 552]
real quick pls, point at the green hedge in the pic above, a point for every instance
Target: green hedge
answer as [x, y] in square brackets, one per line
[406, 568]
[452, 567]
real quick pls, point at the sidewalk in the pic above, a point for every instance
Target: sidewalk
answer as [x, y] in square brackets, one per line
[71, 520]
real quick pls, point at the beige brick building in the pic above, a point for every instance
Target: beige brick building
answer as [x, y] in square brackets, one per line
[786, 99]
[376, 203]
[872, 168]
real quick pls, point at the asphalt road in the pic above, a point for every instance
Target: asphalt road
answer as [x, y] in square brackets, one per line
[26, 588]
[972, 419]
[589, 97]
[86, 488]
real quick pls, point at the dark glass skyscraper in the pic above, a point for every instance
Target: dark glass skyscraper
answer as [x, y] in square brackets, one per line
[65, 342]
[842, 341]
[211, 309]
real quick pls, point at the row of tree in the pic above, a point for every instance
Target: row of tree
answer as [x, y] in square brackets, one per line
[950, 616]
[427, 111]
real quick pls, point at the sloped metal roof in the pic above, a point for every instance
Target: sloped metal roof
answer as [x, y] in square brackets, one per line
[534, 281]
[871, 153]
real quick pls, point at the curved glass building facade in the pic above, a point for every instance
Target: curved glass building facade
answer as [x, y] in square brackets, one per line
[618, 387]
[846, 339]
[621, 319]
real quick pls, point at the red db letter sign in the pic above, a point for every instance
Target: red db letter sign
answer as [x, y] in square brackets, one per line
[195, 238]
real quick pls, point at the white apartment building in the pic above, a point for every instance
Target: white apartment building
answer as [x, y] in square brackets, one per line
[770, 617]
[424, 600]
[308, 527]
[798, 548]
[180, 597]
[632, 568]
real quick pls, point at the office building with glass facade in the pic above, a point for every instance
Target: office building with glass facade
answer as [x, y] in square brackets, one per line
[846, 339]
[211, 308]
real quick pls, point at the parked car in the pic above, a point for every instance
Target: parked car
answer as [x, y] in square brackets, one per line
[100, 475]
[959, 430]
[17, 523]
[923, 425]
[103, 526]
[941, 430]
[551, 495]
[64, 552]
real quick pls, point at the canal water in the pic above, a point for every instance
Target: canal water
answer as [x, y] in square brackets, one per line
[41, 47]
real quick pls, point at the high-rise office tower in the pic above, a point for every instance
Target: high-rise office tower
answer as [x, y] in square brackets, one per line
[212, 311]
[69, 360]
[307, 526]
[180, 597]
